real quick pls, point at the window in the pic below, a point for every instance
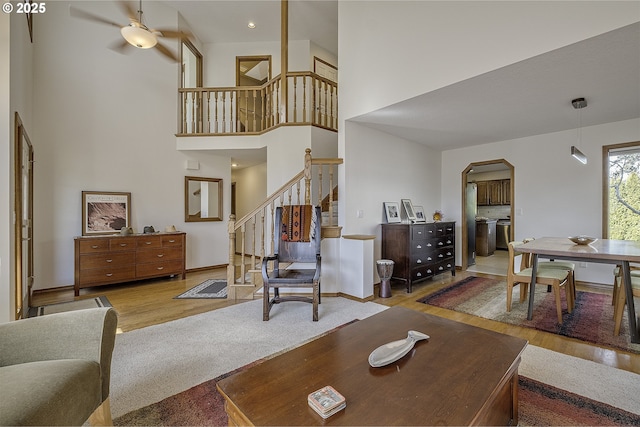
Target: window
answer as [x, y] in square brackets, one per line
[621, 191]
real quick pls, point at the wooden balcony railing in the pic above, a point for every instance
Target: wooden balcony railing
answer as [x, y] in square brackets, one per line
[252, 236]
[251, 110]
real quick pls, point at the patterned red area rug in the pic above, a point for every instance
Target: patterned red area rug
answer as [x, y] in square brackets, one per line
[590, 321]
[539, 404]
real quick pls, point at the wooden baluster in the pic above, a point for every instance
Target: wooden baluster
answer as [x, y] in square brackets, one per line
[255, 129]
[263, 113]
[304, 100]
[184, 111]
[233, 126]
[215, 96]
[193, 114]
[325, 120]
[224, 112]
[242, 253]
[208, 112]
[295, 99]
[253, 243]
[273, 229]
[231, 266]
[277, 91]
[307, 176]
[289, 195]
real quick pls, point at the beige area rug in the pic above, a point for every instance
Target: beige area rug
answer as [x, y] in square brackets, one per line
[69, 306]
[157, 362]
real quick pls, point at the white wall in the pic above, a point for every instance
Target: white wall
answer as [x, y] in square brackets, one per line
[7, 278]
[555, 195]
[105, 122]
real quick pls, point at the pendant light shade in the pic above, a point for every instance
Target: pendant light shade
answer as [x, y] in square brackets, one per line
[138, 36]
[579, 104]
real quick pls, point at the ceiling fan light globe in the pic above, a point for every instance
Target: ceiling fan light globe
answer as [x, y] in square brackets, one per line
[138, 36]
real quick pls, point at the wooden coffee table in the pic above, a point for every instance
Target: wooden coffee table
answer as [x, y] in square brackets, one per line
[463, 375]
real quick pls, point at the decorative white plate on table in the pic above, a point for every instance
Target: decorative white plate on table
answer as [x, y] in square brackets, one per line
[390, 352]
[582, 240]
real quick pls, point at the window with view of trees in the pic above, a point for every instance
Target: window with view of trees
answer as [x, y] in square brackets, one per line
[622, 191]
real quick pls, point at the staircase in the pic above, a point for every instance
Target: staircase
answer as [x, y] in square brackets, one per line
[251, 238]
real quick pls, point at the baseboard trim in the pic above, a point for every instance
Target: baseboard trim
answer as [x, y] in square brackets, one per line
[205, 268]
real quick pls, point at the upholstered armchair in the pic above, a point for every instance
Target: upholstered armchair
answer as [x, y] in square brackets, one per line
[55, 369]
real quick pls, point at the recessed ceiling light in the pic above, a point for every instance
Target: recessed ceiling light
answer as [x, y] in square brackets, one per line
[251, 25]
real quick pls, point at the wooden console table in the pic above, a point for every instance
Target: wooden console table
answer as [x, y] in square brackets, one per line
[463, 375]
[104, 260]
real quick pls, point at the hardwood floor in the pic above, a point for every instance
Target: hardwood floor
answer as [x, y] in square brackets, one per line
[152, 302]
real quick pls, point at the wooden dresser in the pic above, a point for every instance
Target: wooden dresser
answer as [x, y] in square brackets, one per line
[419, 251]
[103, 260]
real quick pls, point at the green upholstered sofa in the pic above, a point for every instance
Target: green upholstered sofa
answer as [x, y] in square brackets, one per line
[55, 369]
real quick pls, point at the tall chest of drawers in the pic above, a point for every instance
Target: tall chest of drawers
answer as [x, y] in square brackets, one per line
[104, 260]
[419, 251]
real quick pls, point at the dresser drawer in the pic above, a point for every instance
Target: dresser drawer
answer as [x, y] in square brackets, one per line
[122, 244]
[149, 242]
[107, 259]
[158, 254]
[93, 245]
[160, 268]
[444, 254]
[422, 272]
[419, 260]
[107, 275]
[171, 241]
[443, 266]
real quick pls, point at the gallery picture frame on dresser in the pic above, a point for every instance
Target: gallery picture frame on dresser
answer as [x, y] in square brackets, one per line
[105, 212]
[408, 209]
[420, 217]
[392, 211]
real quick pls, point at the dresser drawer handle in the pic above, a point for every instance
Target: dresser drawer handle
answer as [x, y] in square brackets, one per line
[429, 245]
[431, 231]
[94, 246]
[440, 244]
[441, 268]
[429, 271]
[109, 274]
[418, 246]
[419, 232]
[418, 261]
[160, 255]
[147, 243]
[172, 241]
[123, 244]
[429, 259]
[109, 260]
[160, 268]
[440, 256]
[448, 253]
[419, 275]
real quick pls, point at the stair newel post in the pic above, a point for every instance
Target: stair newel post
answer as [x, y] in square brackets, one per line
[231, 273]
[307, 176]
[331, 195]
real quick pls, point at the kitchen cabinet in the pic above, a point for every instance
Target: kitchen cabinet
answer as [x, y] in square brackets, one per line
[496, 192]
[485, 237]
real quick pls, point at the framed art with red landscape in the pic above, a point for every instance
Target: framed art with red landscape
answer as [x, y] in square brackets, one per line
[105, 212]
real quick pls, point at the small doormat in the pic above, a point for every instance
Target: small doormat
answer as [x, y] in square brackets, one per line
[69, 306]
[210, 288]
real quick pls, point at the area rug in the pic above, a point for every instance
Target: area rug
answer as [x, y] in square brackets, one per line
[210, 288]
[69, 306]
[590, 321]
[539, 404]
[152, 363]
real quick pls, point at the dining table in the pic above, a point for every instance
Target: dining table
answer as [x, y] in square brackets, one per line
[608, 251]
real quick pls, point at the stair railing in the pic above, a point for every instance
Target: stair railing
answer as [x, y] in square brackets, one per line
[252, 237]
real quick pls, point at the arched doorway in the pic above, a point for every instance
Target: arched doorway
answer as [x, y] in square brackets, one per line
[469, 174]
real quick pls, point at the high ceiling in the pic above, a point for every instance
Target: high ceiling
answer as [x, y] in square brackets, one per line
[528, 98]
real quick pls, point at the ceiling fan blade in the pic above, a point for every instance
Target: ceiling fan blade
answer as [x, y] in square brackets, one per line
[173, 34]
[77, 13]
[128, 10]
[121, 47]
[166, 52]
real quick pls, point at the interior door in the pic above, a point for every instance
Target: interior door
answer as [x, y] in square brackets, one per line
[252, 73]
[24, 219]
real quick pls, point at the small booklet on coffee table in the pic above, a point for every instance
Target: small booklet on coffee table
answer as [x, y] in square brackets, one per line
[326, 401]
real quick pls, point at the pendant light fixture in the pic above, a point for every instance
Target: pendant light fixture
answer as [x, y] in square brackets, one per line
[579, 104]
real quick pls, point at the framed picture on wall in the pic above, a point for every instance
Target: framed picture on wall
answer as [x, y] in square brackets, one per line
[105, 212]
[392, 209]
[419, 211]
[408, 209]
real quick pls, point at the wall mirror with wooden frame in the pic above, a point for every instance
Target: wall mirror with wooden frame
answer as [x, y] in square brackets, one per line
[202, 199]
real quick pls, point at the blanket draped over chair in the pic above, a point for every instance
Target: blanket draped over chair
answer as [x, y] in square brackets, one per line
[298, 223]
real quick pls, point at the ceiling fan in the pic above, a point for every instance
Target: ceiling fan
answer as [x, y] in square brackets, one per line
[136, 33]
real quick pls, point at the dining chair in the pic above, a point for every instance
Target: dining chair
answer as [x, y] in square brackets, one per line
[617, 273]
[620, 295]
[297, 240]
[555, 277]
[563, 265]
